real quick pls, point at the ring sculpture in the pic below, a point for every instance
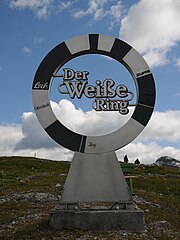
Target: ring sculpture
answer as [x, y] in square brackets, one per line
[103, 45]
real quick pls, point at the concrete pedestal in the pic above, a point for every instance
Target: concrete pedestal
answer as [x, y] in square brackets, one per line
[97, 179]
[125, 219]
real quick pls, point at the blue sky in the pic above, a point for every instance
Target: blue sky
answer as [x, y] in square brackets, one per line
[31, 28]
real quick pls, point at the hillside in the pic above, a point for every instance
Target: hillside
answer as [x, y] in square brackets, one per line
[30, 188]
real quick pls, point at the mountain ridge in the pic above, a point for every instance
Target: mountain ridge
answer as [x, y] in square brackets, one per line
[166, 161]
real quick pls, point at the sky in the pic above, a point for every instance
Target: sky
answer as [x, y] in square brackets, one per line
[31, 28]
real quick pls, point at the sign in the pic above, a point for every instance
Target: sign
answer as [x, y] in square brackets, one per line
[105, 94]
[75, 83]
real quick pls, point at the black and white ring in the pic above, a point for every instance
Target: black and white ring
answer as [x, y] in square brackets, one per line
[94, 44]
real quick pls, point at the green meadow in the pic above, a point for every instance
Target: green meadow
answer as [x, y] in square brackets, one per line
[30, 188]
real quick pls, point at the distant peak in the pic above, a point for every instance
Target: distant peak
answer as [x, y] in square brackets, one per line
[167, 161]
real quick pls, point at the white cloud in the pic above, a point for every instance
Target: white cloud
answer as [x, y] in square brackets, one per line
[63, 5]
[152, 27]
[116, 13]
[99, 14]
[177, 94]
[178, 63]
[163, 126]
[155, 58]
[32, 130]
[39, 40]
[40, 7]
[17, 140]
[99, 9]
[147, 153]
[10, 135]
[95, 8]
[27, 50]
[88, 123]
[94, 5]
[29, 138]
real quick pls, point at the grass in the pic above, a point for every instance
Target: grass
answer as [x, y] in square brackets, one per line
[30, 174]
[159, 187]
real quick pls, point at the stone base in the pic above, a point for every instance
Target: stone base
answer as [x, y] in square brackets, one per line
[124, 219]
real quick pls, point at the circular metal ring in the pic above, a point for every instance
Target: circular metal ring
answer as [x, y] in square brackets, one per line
[103, 45]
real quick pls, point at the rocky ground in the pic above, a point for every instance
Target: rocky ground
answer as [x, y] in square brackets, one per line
[28, 196]
[33, 224]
